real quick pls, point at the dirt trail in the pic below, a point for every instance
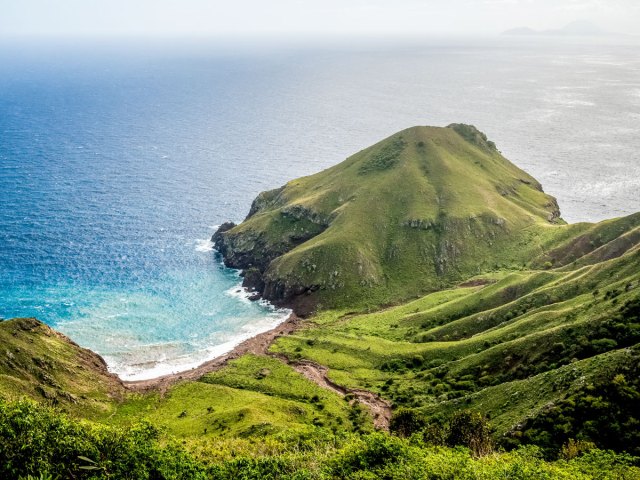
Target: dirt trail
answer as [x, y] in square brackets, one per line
[380, 408]
[259, 345]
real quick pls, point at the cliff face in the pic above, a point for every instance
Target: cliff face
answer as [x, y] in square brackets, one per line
[419, 210]
[42, 364]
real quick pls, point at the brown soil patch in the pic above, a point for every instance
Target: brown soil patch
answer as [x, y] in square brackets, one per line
[380, 408]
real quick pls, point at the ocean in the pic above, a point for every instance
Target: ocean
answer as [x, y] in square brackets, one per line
[118, 160]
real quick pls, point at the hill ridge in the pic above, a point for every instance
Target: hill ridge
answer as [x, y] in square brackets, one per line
[443, 197]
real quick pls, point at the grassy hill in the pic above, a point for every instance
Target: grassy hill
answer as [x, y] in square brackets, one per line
[438, 276]
[39, 363]
[417, 212]
[512, 344]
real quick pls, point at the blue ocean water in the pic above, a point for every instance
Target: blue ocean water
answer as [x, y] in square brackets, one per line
[118, 160]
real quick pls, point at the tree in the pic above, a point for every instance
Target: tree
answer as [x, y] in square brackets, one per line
[472, 430]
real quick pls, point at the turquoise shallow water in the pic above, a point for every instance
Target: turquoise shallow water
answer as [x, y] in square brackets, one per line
[117, 160]
[168, 323]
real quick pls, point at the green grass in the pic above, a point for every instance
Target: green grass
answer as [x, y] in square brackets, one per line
[252, 396]
[504, 348]
[414, 213]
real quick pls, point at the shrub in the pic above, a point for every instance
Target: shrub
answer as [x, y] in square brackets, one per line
[39, 441]
[471, 430]
[371, 452]
[407, 421]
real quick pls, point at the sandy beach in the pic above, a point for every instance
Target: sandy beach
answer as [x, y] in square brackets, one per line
[257, 345]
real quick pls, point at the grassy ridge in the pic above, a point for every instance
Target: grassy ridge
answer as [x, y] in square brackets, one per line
[510, 346]
[411, 214]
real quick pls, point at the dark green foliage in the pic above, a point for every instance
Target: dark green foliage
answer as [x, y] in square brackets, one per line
[472, 135]
[406, 422]
[384, 158]
[37, 440]
[607, 414]
[358, 417]
[463, 429]
[472, 430]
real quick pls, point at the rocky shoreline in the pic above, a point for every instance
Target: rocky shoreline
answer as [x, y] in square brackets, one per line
[252, 255]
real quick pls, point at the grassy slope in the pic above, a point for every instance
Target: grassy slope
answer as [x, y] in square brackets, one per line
[413, 213]
[505, 348]
[39, 363]
[251, 396]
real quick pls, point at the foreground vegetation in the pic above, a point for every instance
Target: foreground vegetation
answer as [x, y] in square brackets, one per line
[40, 442]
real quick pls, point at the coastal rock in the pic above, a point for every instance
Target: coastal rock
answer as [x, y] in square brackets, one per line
[264, 201]
[255, 297]
[252, 280]
[225, 227]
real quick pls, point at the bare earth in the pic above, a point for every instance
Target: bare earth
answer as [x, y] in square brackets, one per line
[380, 408]
[259, 345]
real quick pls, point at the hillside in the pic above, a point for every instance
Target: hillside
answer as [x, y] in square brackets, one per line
[522, 347]
[443, 290]
[417, 212]
[39, 363]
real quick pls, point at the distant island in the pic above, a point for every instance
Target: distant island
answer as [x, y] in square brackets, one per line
[579, 28]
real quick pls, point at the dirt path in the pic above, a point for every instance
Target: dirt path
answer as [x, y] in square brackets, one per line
[259, 345]
[380, 408]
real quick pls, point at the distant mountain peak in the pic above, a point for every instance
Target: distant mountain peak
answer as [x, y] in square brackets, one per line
[575, 28]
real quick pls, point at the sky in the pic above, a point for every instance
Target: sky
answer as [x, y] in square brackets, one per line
[305, 17]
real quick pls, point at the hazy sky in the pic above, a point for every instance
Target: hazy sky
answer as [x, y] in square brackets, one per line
[259, 17]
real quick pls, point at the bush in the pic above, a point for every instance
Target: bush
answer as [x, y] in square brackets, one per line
[605, 414]
[39, 441]
[407, 421]
[471, 430]
[370, 453]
